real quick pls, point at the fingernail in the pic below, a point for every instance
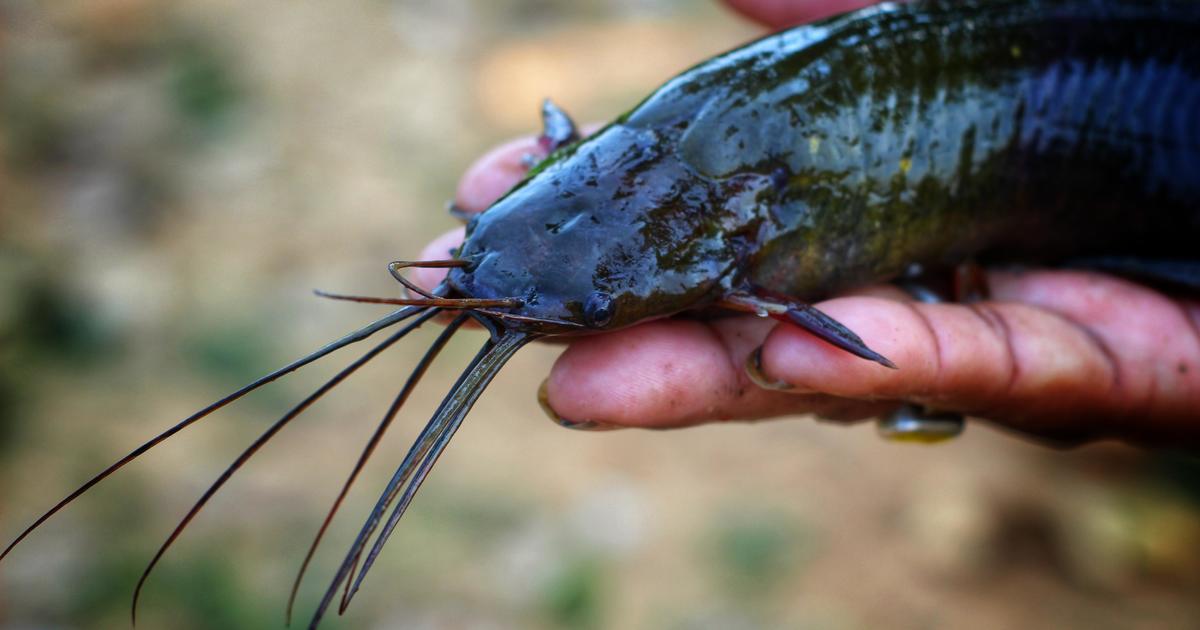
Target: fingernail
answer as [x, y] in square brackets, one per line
[755, 372]
[543, 396]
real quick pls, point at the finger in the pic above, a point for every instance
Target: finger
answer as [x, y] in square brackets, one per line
[1032, 368]
[440, 248]
[495, 173]
[609, 380]
[783, 13]
[500, 169]
[1152, 340]
[675, 373]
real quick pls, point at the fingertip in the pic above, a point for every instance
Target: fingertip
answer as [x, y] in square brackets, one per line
[494, 174]
[498, 170]
[655, 375]
[784, 13]
[439, 249]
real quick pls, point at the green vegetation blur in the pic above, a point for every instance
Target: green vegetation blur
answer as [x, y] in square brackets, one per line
[177, 176]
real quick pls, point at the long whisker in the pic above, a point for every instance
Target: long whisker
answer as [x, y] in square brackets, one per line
[438, 264]
[562, 323]
[467, 399]
[437, 432]
[422, 444]
[440, 302]
[495, 331]
[263, 439]
[395, 266]
[369, 449]
[418, 478]
[358, 335]
[416, 451]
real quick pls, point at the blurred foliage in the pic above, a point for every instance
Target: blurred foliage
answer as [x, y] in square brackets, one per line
[36, 131]
[45, 326]
[574, 598]
[56, 325]
[754, 551]
[230, 354]
[202, 86]
[1181, 470]
[201, 591]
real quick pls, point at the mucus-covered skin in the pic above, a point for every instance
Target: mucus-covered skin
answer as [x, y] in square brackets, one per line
[838, 154]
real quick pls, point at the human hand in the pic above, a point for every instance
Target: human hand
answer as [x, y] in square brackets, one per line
[1065, 355]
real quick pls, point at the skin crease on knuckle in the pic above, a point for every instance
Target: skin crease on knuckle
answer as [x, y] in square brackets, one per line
[1048, 352]
[1149, 342]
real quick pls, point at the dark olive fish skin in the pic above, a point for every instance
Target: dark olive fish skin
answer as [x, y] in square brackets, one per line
[838, 154]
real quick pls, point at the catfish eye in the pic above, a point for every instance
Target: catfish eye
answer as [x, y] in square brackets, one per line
[598, 309]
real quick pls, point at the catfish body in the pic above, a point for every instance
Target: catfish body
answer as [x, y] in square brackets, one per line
[839, 154]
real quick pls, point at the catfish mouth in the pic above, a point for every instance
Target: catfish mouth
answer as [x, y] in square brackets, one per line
[442, 298]
[445, 296]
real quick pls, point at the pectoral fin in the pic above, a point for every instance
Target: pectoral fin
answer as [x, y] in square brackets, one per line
[806, 316]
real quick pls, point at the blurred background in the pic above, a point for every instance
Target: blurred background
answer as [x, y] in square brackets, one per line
[176, 178]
